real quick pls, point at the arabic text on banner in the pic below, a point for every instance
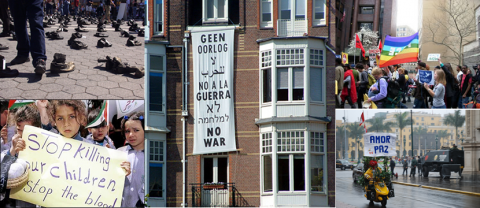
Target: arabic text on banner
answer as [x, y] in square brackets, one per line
[214, 129]
[68, 173]
[379, 144]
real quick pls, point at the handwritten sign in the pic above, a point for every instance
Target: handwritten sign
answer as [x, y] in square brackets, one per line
[433, 57]
[426, 76]
[68, 173]
[379, 144]
[214, 124]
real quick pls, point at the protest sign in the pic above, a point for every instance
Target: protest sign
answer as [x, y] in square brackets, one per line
[426, 77]
[64, 172]
[373, 53]
[433, 57]
[379, 144]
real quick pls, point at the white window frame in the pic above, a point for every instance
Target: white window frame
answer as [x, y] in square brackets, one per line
[163, 72]
[292, 172]
[319, 22]
[290, 84]
[215, 12]
[163, 163]
[266, 24]
[215, 168]
[158, 31]
[292, 9]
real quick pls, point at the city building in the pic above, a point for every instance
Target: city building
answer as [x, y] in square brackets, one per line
[239, 113]
[429, 10]
[471, 143]
[431, 123]
[378, 15]
[404, 31]
[471, 51]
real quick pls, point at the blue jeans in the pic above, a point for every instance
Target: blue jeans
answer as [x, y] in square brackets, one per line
[464, 102]
[439, 107]
[33, 11]
[418, 103]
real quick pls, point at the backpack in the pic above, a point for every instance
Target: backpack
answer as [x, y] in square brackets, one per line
[394, 90]
[371, 81]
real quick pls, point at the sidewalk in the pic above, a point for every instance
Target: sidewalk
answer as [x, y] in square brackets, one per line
[469, 183]
[89, 80]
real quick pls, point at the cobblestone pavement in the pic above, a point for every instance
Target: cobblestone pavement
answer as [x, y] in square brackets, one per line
[89, 80]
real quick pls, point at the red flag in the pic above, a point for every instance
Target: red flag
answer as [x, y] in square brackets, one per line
[380, 45]
[362, 119]
[343, 18]
[358, 44]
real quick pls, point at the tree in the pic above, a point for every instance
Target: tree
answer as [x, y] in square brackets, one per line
[420, 132]
[456, 120]
[356, 131]
[452, 25]
[442, 134]
[369, 40]
[340, 139]
[377, 125]
[402, 120]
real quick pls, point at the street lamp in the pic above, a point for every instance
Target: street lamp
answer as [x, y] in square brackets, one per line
[436, 141]
[404, 147]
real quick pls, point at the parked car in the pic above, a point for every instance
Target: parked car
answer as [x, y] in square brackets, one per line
[344, 164]
[357, 172]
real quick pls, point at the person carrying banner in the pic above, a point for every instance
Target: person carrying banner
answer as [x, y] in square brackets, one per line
[349, 92]
[133, 127]
[378, 91]
[438, 92]
[339, 71]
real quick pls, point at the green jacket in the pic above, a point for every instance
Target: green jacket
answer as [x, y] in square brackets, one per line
[414, 163]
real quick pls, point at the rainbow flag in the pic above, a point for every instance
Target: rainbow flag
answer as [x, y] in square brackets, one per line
[399, 50]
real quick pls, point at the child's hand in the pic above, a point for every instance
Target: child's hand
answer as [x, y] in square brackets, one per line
[126, 166]
[41, 103]
[108, 146]
[425, 85]
[18, 144]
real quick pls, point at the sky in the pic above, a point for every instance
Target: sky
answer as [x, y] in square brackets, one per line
[407, 13]
[354, 115]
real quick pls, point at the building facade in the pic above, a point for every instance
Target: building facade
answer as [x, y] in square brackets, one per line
[404, 31]
[279, 58]
[471, 51]
[471, 143]
[427, 129]
[378, 15]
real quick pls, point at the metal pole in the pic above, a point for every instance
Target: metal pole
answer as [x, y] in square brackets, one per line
[411, 127]
[346, 139]
[355, 53]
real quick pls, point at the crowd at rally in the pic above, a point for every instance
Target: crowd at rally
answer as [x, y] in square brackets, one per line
[69, 118]
[392, 86]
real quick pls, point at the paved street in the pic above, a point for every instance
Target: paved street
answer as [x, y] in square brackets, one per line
[90, 80]
[352, 194]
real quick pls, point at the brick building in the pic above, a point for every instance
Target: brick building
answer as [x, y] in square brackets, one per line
[275, 57]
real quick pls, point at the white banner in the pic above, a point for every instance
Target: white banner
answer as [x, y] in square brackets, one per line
[213, 90]
[379, 144]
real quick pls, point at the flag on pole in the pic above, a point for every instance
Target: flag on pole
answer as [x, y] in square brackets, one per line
[102, 116]
[398, 50]
[380, 44]
[358, 44]
[362, 119]
[18, 103]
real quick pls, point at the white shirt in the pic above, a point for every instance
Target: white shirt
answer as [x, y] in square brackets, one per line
[459, 76]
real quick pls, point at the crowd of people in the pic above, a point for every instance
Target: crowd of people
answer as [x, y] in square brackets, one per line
[390, 86]
[69, 118]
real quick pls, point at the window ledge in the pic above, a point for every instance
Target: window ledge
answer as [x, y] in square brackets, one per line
[158, 36]
[283, 193]
[300, 102]
[266, 28]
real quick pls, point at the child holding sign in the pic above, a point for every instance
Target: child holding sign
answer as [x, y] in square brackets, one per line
[98, 134]
[133, 128]
[438, 92]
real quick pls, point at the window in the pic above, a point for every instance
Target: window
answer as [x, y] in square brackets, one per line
[316, 142]
[266, 142]
[286, 9]
[214, 10]
[283, 173]
[215, 169]
[297, 175]
[368, 25]
[156, 169]
[156, 83]
[267, 173]
[267, 75]
[316, 168]
[296, 75]
[433, 124]
[266, 15]
[290, 141]
[282, 84]
[299, 172]
[316, 57]
[422, 118]
[290, 56]
[297, 83]
[319, 12]
[158, 25]
[366, 10]
[316, 80]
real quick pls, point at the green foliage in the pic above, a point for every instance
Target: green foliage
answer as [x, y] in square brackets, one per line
[383, 176]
